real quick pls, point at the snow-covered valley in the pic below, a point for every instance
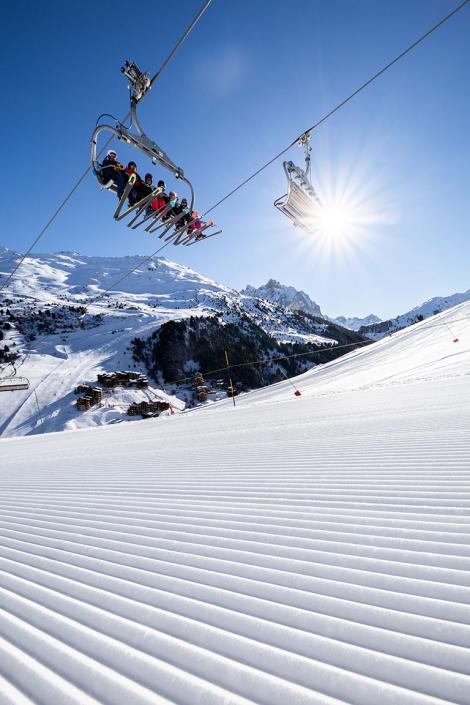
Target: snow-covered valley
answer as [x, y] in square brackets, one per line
[309, 549]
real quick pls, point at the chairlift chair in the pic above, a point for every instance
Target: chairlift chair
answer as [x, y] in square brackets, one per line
[14, 384]
[301, 203]
[139, 84]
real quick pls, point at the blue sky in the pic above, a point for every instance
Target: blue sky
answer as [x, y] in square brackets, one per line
[252, 76]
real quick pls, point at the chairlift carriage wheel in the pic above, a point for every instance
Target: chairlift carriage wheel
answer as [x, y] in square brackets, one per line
[301, 203]
[184, 233]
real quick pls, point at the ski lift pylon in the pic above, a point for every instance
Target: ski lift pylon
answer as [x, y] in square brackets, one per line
[301, 202]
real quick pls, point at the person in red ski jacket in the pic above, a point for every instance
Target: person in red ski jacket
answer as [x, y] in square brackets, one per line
[161, 200]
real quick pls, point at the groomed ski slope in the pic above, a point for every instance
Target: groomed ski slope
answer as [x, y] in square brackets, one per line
[307, 550]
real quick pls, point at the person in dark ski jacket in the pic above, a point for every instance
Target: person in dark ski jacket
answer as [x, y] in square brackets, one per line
[183, 210]
[134, 192]
[112, 170]
[173, 202]
[146, 187]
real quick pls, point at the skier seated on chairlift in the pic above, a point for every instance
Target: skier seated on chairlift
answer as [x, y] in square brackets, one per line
[197, 224]
[161, 200]
[173, 201]
[146, 187]
[112, 170]
[134, 194]
[182, 206]
[183, 210]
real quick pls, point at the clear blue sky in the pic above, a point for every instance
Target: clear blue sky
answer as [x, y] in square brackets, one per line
[252, 76]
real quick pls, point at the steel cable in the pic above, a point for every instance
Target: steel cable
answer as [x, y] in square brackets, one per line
[106, 145]
[342, 103]
[319, 122]
[277, 156]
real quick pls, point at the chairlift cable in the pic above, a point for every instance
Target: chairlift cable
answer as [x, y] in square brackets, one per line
[106, 145]
[342, 103]
[184, 36]
[277, 156]
[317, 124]
[385, 68]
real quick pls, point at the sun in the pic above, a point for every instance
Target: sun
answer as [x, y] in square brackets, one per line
[335, 221]
[347, 216]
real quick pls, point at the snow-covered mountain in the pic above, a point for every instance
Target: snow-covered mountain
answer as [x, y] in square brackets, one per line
[355, 323]
[285, 296]
[159, 288]
[429, 308]
[370, 326]
[292, 298]
[65, 331]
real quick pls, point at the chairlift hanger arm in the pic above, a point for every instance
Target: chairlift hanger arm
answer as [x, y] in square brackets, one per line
[304, 141]
[140, 142]
[295, 173]
[145, 145]
[140, 84]
[139, 81]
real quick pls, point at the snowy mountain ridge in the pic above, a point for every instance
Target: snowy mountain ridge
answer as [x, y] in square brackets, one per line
[67, 330]
[291, 298]
[431, 307]
[370, 326]
[159, 287]
[354, 323]
[285, 296]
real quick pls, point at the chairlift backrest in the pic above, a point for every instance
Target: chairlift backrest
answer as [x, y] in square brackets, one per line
[301, 204]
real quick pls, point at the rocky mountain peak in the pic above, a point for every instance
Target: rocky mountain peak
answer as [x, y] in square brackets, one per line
[286, 296]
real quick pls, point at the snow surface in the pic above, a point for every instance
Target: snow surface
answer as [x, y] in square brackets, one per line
[311, 550]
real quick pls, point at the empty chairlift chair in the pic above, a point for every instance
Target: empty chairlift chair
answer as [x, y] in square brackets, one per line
[301, 203]
[13, 384]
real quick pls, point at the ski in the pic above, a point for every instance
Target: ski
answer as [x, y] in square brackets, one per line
[130, 183]
[157, 215]
[154, 215]
[167, 225]
[175, 219]
[201, 239]
[180, 232]
[195, 234]
[141, 205]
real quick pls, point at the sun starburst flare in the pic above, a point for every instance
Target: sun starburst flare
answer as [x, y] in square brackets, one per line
[348, 216]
